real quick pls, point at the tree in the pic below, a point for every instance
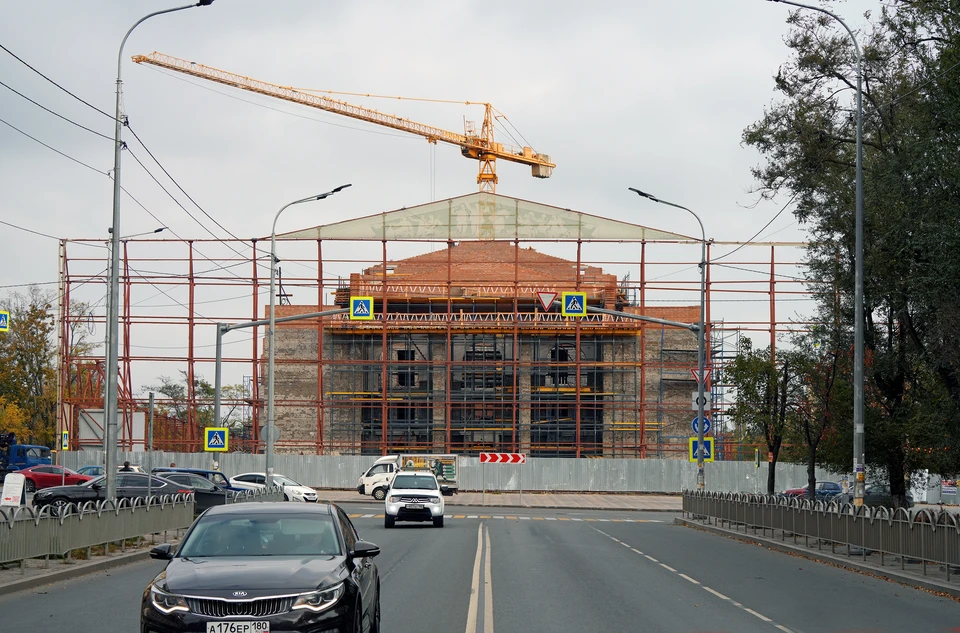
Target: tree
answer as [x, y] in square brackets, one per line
[177, 404]
[767, 392]
[12, 419]
[912, 225]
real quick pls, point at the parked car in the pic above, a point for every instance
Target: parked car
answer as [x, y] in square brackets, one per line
[292, 491]
[214, 476]
[273, 566]
[824, 490]
[91, 471]
[206, 494]
[875, 495]
[40, 477]
[413, 496]
[129, 485]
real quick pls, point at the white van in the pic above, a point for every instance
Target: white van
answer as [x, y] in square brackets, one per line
[376, 481]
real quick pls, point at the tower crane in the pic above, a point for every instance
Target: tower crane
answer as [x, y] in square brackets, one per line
[480, 147]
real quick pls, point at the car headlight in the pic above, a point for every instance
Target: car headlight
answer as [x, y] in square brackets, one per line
[394, 499]
[166, 602]
[318, 601]
[433, 500]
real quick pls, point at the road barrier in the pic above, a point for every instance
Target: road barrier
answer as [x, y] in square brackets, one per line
[28, 532]
[557, 474]
[925, 536]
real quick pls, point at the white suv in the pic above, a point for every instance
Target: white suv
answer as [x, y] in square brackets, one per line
[413, 496]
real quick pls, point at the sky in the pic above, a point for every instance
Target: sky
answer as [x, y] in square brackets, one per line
[653, 95]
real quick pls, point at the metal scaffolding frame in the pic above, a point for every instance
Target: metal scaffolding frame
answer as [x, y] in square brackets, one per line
[492, 371]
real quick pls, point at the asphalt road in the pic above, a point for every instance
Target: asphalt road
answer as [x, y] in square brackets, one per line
[556, 570]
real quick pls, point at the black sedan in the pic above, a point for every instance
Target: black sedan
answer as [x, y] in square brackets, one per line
[129, 485]
[261, 567]
[206, 494]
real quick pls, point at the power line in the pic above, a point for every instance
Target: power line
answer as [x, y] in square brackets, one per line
[12, 54]
[56, 114]
[52, 237]
[762, 229]
[67, 156]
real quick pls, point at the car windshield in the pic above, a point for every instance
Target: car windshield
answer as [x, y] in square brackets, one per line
[415, 482]
[286, 481]
[96, 480]
[262, 535]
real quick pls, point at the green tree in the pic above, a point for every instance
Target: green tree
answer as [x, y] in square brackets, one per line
[177, 402]
[767, 389]
[912, 224]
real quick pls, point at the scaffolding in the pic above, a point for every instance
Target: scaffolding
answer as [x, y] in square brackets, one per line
[461, 356]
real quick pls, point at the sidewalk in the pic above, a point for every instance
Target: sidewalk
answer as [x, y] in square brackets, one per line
[558, 500]
[35, 572]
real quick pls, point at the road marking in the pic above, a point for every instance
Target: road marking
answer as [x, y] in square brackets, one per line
[459, 516]
[562, 519]
[367, 516]
[604, 520]
[538, 518]
[575, 519]
[475, 585]
[716, 593]
[484, 516]
[354, 516]
[696, 582]
[488, 589]
[524, 518]
[509, 517]
[551, 518]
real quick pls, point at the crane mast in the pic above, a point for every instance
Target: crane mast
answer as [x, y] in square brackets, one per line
[481, 147]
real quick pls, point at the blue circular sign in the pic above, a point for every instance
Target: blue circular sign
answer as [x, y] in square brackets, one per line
[696, 427]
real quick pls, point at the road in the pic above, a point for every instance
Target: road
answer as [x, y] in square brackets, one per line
[525, 571]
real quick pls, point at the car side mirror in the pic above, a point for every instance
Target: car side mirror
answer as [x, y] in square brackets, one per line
[363, 549]
[96, 486]
[164, 551]
[445, 491]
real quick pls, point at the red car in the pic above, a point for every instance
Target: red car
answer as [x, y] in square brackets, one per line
[47, 476]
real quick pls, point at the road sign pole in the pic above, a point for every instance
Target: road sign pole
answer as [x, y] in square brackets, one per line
[149, 460]
[483, 483]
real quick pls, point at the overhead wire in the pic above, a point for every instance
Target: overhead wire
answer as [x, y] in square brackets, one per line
[56, 114]
[67, 156]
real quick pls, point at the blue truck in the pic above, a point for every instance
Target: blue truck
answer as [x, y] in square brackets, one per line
[14, 457]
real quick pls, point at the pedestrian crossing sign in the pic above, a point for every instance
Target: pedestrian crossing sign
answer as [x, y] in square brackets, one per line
[4, 321]
[707, 449]
[573, 304]
[361, 308]
[65, 440]
[216, 438]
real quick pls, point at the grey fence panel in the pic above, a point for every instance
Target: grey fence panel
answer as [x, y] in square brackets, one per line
[537, 474]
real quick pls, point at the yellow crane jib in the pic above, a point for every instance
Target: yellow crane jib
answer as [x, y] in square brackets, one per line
[477, 146]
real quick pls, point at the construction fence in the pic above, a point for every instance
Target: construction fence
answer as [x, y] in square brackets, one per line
[544, 474]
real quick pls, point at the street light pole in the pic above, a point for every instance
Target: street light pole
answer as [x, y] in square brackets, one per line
[859, 453]
[271, 426]
[112, 342]
[701, 333]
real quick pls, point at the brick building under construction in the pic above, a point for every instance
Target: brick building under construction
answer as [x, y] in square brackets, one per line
[461, 355]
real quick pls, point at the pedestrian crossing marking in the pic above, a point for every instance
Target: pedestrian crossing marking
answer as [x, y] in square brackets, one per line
[484, 516]
[472, 516]
[510, 517]
[459, 516]
[367, 516]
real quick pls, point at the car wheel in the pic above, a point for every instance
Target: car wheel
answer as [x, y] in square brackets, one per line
[59, 506]
[389, 521]
[438, 521]
[31, 486]
[380, 494]
[375, 622]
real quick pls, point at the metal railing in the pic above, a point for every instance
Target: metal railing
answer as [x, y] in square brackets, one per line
[921, 537]
[28, 532]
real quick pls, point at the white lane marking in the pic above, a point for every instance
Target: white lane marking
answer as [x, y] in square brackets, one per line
[604, 520]
[782, 628]
[669, 568]
[475, 585]
[716, 593]
[637, 551]
[471, 516]
[650, 558]
[524, 518]
[686, 577]
[488, 589]
[551, 518]
[574, 519]
[759, 615]
[496, 517]
[367, 516]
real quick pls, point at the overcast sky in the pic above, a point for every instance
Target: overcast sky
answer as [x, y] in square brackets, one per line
[648, 94]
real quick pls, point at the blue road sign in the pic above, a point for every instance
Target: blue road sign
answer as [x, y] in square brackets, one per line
[361, 308]
[574, 304]
[707, 449]
[216, 438]
[696, 426]
[4, 320]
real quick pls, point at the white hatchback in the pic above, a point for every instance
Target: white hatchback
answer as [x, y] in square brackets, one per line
[292, 491]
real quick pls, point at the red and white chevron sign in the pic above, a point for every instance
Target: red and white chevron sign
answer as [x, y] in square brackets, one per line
[503, 458]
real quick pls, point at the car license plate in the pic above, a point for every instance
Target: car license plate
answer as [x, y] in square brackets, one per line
[415, 506]
[259, 626]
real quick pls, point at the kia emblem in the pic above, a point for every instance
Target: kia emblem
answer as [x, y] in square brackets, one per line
[239, 594]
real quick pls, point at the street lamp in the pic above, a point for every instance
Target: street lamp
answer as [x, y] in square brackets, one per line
[859, 454]
[111, 343]
[271, 427]
[701, 332]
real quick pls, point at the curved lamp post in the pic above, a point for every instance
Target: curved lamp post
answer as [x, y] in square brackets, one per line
[859, 454]
[271, 426]
[112, 342]
[701, 332]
